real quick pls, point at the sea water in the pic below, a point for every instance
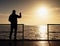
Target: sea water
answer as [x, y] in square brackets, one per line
[31, 32]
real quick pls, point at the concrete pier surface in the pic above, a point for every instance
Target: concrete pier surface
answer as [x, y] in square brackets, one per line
[29, 43]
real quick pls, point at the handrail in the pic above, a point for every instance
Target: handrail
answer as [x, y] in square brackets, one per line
[1, 25]
[48, 38]
[52, 31]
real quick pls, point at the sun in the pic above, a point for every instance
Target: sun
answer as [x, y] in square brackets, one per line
[42, 11]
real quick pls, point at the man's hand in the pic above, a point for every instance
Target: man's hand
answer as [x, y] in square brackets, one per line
[20, 14]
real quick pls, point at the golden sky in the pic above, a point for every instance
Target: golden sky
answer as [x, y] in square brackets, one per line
[34, 12]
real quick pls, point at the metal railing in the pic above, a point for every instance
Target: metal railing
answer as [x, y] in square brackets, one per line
[5, 30]
[53, 31]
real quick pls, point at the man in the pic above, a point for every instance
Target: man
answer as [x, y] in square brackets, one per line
[13, 20]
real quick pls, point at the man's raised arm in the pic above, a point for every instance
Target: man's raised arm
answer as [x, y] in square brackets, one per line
[19, 15]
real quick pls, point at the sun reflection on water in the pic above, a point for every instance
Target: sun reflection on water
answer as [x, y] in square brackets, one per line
[43, 31]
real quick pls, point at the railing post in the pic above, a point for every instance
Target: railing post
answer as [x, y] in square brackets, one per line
[48, 31]
[23, 31]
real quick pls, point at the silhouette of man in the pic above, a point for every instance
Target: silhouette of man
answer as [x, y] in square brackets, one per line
[13, 20]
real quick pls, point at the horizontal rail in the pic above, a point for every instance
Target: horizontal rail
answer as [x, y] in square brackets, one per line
[26, 40]
[9, 31]
[54, 32]
[9, 24]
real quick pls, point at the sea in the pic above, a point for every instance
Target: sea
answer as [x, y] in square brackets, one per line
[32, 32]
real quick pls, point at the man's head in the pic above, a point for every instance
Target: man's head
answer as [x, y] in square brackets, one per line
[13, 11]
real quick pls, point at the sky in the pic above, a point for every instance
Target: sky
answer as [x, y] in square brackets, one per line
[31, 11]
